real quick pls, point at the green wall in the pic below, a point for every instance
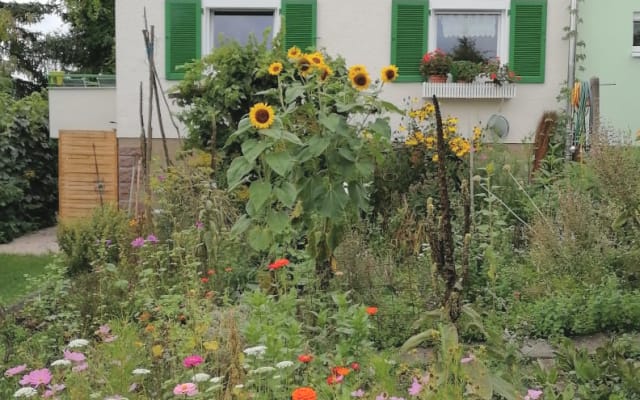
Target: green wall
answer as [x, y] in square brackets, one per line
[607, 30]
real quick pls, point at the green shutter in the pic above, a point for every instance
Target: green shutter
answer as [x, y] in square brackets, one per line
[299, 23]
[183, 35]
[528, 39]
[409, 31]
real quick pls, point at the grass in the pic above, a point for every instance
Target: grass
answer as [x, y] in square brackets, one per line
[13, 267]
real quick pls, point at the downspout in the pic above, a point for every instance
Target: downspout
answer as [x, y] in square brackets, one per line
[571, 76]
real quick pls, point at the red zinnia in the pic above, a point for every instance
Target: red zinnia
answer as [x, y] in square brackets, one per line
[204, 279]
[355, 366]
[305, 358]
[279, 263]
[372, 310]
[333, 379]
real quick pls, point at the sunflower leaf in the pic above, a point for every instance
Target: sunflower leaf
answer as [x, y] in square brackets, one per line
[281, 162]
[272, 133]
[278, 221]
[293, 92]
[243, 126]
[242, 224]
[381, 127]
[291, 137]
[251, 149]
[259, 193]
[259, 238]
[237, 170]
[287, 194]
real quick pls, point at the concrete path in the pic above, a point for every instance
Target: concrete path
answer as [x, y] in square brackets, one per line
[40, 242]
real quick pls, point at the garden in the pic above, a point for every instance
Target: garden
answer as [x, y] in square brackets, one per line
[303, 246]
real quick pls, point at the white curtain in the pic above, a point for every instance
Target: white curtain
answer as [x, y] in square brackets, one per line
[469, 25]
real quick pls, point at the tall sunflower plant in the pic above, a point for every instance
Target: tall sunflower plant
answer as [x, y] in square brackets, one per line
[307, 157]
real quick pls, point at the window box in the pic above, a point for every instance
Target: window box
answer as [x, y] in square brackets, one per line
[475, 90]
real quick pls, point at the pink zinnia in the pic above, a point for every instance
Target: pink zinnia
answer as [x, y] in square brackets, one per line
[138, 242]
[415, 388]
[192, 361]
[189, 389]
[152, 239]
[15, 370]
[467, 360]
[533, 394]
[74, 356]
[36, 378]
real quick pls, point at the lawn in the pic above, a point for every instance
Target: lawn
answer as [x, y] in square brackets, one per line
[13, 268]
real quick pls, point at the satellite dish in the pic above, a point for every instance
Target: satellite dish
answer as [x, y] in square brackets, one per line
[498, 126]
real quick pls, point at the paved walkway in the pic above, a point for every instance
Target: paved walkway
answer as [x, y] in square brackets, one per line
[40, 242]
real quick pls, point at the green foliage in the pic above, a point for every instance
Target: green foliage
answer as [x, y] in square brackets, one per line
[218, 90]
[100, 237]
[28, 166]
[13, 268]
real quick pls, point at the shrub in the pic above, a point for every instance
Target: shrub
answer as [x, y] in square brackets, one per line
[28, 166]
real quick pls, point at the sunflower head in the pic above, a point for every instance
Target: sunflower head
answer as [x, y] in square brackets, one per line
[316, 58]
[261, 116]
[294, 53]
[356, 69]
[275, 68]
[325, 72]
[305, 66]
[361, 80]
[389, 73]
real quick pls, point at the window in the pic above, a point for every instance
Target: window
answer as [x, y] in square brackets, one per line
[194, 26]
[513, 30]
[483, 30]
[636, 34]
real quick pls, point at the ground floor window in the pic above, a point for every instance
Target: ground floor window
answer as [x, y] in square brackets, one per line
[239, 25]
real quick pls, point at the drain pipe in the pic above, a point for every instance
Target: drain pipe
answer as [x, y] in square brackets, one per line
[569, 149]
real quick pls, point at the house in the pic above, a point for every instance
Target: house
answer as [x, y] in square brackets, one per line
[526, 34]
[612, 51]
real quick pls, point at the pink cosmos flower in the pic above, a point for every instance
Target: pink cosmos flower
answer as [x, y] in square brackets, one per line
[415, 388]
[15, 370]
[192, 361]
[37, 377]
[74, 356]
[152, 238]
[358, 393]
[199, 225]
[80, 367]
[382, 396]
[53, 389]
[137, 242]
[188, 389]
[533, 394]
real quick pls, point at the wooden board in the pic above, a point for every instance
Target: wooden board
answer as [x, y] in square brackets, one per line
[86, 158]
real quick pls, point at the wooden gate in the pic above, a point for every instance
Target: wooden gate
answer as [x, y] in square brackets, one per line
[87, 172]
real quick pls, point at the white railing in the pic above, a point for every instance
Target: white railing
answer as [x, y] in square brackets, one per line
[468, 90]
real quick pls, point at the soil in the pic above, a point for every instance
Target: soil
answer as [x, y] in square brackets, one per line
[40, 242]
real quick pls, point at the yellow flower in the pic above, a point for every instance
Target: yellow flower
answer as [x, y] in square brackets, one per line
[389, 73]
[429, 108]
[356, 69]
[275, 68]
[261, 116]
[325, 72]
[316, 58]
[305, 66]
[435, 158]
[361, 80]
[429, 142]
[133, 222]
[294, 53]
[411, 141]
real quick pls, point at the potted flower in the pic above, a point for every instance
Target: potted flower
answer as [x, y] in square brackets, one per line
[465, 71]
[498, 73]
[435, 66]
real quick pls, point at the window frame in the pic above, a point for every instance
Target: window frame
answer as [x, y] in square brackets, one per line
[211, 6]
[635, 50]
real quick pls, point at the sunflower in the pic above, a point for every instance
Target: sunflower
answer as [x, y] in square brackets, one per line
[361, 80]
[325, 72]
[305, 66]
[316, 58]
[261, 115]
[389, 73]
[356, 69]
[275, 68]
[294, 53]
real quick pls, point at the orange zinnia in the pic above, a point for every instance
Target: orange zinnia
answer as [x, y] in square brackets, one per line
[305, 358]
[344, 371]
[304, 393]
[372, 310]
[279, 263]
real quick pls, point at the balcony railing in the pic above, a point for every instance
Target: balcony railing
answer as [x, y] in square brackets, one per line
[475, 90]
[61, 79]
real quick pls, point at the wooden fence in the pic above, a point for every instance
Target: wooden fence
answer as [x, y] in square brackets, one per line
[88, 171]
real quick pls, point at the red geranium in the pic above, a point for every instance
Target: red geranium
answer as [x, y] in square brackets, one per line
[279, 263]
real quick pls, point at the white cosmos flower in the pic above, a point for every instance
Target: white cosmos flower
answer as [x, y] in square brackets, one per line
[284, 364]
[78, 343]
[255, 350]
[216, 379]
[25, 392]
[200, 377]
[61, 363]
[240, 386]
[141, 371]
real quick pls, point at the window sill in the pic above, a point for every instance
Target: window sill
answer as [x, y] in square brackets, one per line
[635, 51]
[468, 90]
